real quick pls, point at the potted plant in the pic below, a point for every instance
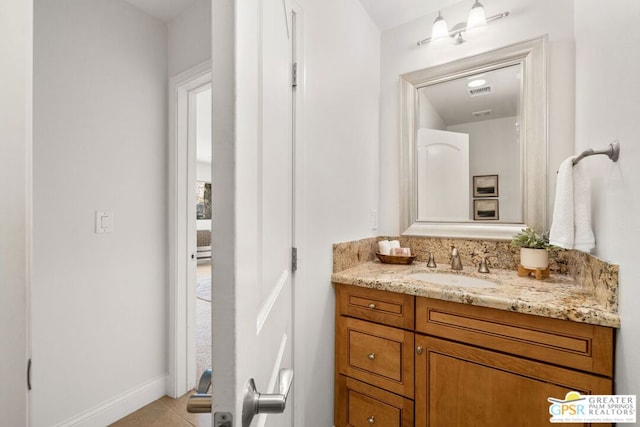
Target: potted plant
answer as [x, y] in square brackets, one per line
[533, 248]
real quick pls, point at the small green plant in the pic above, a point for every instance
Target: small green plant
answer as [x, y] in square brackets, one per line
[530, 238]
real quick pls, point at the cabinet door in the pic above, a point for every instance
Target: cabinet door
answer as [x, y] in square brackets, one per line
[388, 308]
[361, 405]
[573, 345]
[376, 354]
[457, 385]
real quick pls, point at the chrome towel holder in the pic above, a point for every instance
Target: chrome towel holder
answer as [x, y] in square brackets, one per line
[613, 152]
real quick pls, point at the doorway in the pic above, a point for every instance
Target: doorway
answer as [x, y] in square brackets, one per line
[189, 260]
[202, 203]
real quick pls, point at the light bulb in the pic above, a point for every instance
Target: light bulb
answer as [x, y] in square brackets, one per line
[477, 21]
[440, 31]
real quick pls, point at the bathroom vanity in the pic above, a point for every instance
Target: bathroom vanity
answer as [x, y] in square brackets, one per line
[414, 353]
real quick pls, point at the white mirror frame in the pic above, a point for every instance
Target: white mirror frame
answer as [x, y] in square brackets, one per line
[532, 55]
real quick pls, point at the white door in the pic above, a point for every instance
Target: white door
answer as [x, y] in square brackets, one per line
[443, 175]
[253, 208]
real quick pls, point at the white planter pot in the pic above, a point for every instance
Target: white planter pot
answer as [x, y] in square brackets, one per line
[534, 258]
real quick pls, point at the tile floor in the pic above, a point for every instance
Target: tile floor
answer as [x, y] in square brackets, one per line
[165, 412]
[168, 412]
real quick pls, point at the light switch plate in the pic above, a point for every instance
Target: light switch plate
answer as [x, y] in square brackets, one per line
[104, 221]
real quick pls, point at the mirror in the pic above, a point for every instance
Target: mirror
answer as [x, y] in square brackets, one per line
[474, 145]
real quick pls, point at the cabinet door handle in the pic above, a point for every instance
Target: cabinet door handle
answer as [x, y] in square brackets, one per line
[419, 350]
[371, 419]
[371, 356]
[372, 306]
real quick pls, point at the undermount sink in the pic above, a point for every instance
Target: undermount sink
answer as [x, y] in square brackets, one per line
[448, 279]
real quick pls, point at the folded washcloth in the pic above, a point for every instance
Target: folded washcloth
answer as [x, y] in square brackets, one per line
[571, 226]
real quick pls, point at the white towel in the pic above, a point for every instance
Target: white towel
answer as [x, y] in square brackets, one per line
[584, 238]
[571, 226]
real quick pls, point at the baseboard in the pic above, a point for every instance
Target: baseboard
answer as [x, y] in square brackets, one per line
[120, 406]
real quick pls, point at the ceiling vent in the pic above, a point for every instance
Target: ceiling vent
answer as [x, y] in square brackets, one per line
[482, 113]
[477, 91]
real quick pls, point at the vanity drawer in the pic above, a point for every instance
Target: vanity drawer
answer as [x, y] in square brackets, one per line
[362, 405]
[388, 308]
[561, 342]
[376, 354]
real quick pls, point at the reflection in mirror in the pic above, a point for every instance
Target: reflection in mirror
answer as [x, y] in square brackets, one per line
[474, 145]
[468, 127]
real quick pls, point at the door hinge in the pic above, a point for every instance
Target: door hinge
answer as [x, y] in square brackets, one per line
[222, 419]
[294, 259]
[29, 375]
[294, 74]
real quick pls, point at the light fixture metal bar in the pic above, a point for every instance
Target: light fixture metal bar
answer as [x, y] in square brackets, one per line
[460, 30]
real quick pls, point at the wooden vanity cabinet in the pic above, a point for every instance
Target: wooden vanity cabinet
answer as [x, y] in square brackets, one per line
[374, 378]
[461, 385]
[364, 405]
[486, 367]
[412, 361]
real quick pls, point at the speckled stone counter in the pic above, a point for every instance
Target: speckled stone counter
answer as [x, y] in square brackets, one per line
[589, 296]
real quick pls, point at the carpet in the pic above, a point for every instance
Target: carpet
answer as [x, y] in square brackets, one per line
[203, 289]
[203, 337]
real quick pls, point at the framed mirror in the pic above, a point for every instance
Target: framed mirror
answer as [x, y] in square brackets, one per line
[474, 145]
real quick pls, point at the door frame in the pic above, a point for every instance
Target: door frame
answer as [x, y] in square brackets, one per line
[181, 302]
[299, 225]
[16, 189]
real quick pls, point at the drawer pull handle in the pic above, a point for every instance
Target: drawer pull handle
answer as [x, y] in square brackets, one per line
[371, 419]
[372, 306]
[371, 356]
[419, 350]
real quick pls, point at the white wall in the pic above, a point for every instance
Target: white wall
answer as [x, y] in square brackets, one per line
[15, 195]
[528, 19]
[340, 143]
[190, 37]
[490, 143]
[429, 117]
[99, 300]
[203, 171]
[607, 88]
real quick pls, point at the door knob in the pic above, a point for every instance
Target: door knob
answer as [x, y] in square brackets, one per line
[257, 403]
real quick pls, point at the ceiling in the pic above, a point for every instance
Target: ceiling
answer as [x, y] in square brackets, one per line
[385, 13]
[392, 13]
[455, 106]
[164, 10]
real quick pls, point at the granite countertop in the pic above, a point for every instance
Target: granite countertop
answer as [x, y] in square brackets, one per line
[559, 297]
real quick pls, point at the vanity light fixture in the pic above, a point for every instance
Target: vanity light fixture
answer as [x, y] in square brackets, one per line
[476, 22]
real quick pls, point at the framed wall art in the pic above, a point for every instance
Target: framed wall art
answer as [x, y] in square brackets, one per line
[485, 186]
[485, 209]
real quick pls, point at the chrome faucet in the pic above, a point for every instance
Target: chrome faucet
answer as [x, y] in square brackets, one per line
[432, 262]
[482, 266]
[456, 263]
